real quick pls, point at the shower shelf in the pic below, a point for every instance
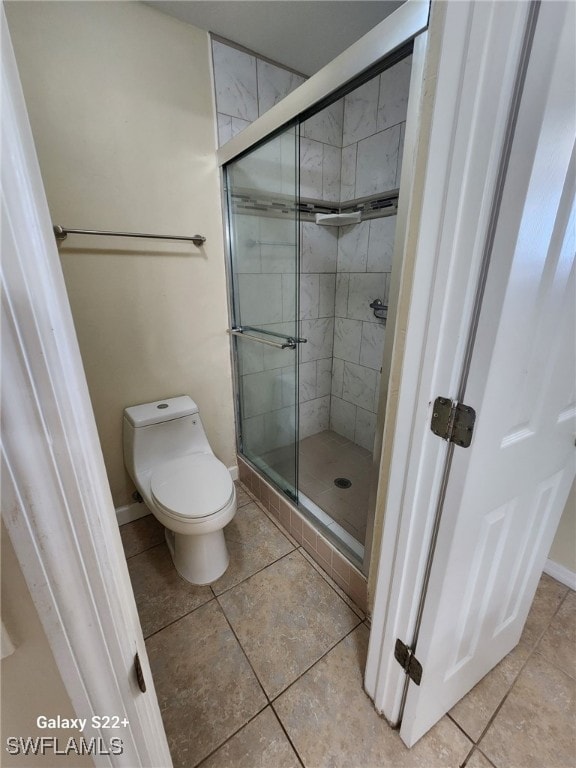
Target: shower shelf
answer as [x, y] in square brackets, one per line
[338, 219]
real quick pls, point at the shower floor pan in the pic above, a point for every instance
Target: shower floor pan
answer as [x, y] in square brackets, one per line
[325, 460]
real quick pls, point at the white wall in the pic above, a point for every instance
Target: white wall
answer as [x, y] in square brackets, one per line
[120, 101]
[563, 550]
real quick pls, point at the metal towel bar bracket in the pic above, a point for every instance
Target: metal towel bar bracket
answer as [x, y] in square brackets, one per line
[61, 233]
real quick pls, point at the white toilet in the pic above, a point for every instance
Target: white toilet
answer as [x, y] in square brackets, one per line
[184, 485]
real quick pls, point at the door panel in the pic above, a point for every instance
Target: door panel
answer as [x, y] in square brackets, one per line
[262, 188]
[505, 494]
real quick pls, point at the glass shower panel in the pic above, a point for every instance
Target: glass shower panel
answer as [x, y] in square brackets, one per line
[262, 189]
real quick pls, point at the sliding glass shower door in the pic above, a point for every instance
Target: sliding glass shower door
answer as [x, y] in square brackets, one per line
[262, 189]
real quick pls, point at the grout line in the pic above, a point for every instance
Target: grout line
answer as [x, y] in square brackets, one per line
[287, 736]
[228, 738]
[147, 549]
[464, 763]
[331, 583]
[242, 48]
[244, 652]
[462, 730]
[170, 623]
[319, 659]
[552, 663]
[516, 677]
[216, 596]
[258, 113]
[247, 578]
[476, 748]
[358, 623]
[287, 535]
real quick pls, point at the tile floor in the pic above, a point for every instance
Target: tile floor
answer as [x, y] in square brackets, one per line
[326, 456]
[263, 669]
[322, 458]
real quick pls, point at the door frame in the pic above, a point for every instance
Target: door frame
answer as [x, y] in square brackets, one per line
[56, 501]
[473, 61]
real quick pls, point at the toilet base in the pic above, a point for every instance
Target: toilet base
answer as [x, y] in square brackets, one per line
[200, 558]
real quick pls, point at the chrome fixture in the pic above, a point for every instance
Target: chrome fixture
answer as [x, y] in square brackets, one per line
[289, 343]
[380, 310]
[61, 233]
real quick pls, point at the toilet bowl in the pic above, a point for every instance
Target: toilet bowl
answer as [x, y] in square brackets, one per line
[187, 489]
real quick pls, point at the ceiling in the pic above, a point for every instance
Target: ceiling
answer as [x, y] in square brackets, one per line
[300, 34]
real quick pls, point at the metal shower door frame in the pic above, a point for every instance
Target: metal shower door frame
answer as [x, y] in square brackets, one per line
[404, 27]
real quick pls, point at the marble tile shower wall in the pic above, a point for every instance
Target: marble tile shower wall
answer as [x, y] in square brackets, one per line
[373, 133]
[350, 150]
[266, 284]
[266, 288]
[246, 86]
[364, 266]
[372, 140]
[320, 162]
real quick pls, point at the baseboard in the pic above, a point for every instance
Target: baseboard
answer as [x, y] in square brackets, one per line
[560, 573]
[234, 472]
[131, 512]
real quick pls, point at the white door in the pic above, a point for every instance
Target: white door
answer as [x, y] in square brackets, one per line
[505, 494]
[56, 500]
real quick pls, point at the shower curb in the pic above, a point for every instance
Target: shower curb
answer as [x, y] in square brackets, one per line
[333, 563]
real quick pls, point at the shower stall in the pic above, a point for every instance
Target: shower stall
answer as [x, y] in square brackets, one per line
[311, 213]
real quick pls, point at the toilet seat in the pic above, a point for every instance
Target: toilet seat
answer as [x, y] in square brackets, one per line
[192, 487]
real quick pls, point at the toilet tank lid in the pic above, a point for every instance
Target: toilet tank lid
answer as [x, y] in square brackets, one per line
[160, 410]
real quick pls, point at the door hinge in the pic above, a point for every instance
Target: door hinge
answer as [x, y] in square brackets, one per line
[408, 662]
[453, 421]
[139, 674]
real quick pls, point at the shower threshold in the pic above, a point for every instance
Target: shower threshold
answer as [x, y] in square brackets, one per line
[325, 521]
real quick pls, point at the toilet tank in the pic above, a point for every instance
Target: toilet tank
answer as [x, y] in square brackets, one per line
[160, 431]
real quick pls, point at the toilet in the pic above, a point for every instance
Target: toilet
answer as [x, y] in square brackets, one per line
[167, 455]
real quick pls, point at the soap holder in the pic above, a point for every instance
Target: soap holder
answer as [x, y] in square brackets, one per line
[380, 310]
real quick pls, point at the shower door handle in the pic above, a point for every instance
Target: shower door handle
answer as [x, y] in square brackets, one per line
[289, 343]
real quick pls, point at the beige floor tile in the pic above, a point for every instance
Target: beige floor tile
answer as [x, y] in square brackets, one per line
[349, 602]
[478, 760]
[548, 597]
[260, 744]
[559, 642]
[242, 497]
[141, 534]
[286, 618]
[473, 712]
[161, 594]
[253, 543]
[535, 726]
[205, 687]
[333, 724]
